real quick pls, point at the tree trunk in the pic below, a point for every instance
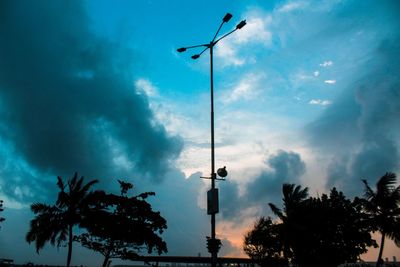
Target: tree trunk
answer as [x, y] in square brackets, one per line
[70, 237]
[106, 259]
[378, 262]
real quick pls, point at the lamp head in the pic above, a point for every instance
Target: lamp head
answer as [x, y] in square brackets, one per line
[241, 24]
[222, 172]
[182, 49]
[195, 56]
[227, 17]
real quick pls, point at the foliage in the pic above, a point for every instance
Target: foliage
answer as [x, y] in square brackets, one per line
[54, 223]
[383, 207]
[263, 243]
[311, 230]
[293, 201]
[121, 226]
[333, 228]
[1, 209]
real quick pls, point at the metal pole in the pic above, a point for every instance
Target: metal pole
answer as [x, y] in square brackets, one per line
[213, 174]
[214, 253]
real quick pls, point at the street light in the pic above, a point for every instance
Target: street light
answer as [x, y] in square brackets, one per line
[213, 244]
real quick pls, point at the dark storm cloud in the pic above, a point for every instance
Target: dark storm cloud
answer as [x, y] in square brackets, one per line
[361, 130]
[284, 167]
[230, 202]
[67, 99]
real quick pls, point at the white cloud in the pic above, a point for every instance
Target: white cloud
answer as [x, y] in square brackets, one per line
[330, 81]
[255, 31]
[316, 73]
[291, 6]
[301, 77]
[146, 86]
[320, 102]
[326, 63]
[247, 88]
[229, 54]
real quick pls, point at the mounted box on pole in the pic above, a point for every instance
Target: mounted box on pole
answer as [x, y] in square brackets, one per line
[212, 201]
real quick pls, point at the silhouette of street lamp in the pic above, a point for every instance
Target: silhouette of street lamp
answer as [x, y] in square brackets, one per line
[213, 244]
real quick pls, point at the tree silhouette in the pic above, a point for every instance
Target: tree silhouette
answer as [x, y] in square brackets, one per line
[264, 243]
[293, 199]
[47, 226]
[1, 209]
[334, 228]
[121, 226]
[383, 205]
[311, 230]
[55, 223]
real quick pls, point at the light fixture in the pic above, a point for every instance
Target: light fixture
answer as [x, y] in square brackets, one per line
[241, 24]
[227, 17]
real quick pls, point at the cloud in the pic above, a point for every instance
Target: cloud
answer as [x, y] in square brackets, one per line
[228, 54]
[255, 32]
[320, 102]
[360, 131]
[188, 223]
[285, 167]
[246, 89]
[291, 6]
[281, 167]
[326, 63]
[146, 86]
[230, 202]
[330, 81]
[68, 103]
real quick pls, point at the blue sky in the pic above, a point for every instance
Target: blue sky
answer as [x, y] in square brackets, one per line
[307, 92]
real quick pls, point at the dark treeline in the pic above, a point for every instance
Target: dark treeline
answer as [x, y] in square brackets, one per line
[327, 230]
[1, 209]
[117, 226]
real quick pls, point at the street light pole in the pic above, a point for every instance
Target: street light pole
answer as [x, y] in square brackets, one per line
[213, 244]
[215, 247]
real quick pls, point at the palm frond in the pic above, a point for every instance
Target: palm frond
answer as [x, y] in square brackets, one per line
[87, 186]
[388, 178]
[386, 183]
[72, 182]
[368, 192]
[78, 185]
[42, 208]
[60, 183]
[287, 190]
[277, 211]
[396, 195]
[300, 194]
[63, 199]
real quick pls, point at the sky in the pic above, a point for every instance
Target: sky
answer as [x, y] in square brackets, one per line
[308, 92]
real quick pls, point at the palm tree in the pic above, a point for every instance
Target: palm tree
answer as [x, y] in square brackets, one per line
[48, 225]
[293, 197]
[55, 223]
[384, 207]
